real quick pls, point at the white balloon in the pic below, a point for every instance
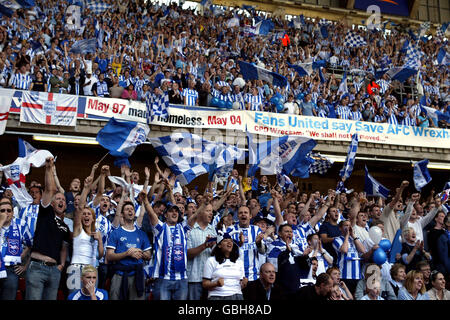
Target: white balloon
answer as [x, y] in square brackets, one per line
[239, 82]
[375, 234]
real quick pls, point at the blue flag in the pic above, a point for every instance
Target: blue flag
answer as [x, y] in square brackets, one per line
[252, 72]
[347, 169]
[121, 138]
[287, 154]
[84, 46]
[421, 174]
[285, 182]
[373, 188]
[434, 114]
[443, 56]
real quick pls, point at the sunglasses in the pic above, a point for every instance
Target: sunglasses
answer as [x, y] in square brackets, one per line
[6, 210]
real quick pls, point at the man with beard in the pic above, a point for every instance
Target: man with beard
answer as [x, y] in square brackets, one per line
[52, 235]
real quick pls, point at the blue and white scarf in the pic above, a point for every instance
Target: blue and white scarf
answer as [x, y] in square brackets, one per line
[173, 249]
[12, 246]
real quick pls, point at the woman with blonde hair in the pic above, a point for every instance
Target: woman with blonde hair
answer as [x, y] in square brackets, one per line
[414, 287]
[87, 242]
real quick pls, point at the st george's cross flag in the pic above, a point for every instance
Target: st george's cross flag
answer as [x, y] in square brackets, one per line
[49, 108]
[6, 96]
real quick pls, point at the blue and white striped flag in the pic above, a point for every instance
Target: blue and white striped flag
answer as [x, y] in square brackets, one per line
[206, 4]
[287, 154]
[252, 72]
[402, 73]
[157, 106]
[189, 156]
[263, 27]
[121, 138]
[343, 88]
[443, 57]
[323, 24]
[8, 7]
[373, 188]
[347, 169]
[421, 174]
[97, 7]
[84, 46]
[353, 40]
[434, 114]
[441, 30]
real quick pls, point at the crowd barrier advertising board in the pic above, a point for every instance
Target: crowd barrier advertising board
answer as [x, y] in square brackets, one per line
[178, 117]
[116, 108]
[264, 123]
[276, 124]
[207, 119]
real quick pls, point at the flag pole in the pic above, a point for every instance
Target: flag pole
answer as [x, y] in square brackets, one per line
[98, 163]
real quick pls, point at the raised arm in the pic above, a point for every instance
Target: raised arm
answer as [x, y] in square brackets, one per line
[101, 185]
[116, 221]
[140, 218]
[409, 208]
[148, 208]
[398, 194]
[58, 185]
[276, 207]
[430, 216]
[50, 186]
[323, 209]
[79, 209]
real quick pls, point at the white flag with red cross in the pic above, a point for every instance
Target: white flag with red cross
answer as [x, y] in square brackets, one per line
[49, 108]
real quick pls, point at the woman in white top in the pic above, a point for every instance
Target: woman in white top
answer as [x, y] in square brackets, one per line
[87, 242]
[223, 274]
[438, 291]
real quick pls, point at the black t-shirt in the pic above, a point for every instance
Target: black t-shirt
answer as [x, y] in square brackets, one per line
[50, 233]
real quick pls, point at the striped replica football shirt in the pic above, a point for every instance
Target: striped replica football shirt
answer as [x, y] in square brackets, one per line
[348, 263]
[191, 96]
[248, 252]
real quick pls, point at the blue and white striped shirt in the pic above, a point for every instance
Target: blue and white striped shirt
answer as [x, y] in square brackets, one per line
[348, 263]
[105, 227]
[343, 112]
[22, 81]
[29, 214]
[384, 85]
[356, 115]
[300, 233]
[237, 97]
[248, 252]
[191, 96]
[255, 102]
